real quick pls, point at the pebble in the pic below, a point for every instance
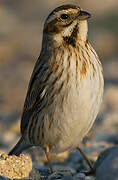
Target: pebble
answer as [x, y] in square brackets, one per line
[107, 164]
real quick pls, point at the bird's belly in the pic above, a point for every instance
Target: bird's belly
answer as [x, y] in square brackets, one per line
[74, 117]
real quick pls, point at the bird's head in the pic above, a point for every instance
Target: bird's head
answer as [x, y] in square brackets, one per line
[67, 24]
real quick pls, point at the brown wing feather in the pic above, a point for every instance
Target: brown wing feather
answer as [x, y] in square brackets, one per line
[34, 91]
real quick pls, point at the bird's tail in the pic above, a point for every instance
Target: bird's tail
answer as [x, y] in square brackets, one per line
[19, 147]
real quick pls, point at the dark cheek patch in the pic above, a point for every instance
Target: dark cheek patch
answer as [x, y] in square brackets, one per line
[52, 27]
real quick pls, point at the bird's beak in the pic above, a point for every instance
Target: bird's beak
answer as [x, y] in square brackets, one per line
[83, 15]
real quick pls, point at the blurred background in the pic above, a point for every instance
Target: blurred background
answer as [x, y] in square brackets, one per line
[21, 25]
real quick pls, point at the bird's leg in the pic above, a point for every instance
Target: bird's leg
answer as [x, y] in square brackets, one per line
[48, 158]
[92, 170]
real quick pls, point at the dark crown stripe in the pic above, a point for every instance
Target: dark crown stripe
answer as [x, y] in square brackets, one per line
[64, 7]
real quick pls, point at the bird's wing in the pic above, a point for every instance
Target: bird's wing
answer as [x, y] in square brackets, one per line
[34, 94]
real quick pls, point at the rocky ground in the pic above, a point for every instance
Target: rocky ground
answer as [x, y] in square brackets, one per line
[21, 25]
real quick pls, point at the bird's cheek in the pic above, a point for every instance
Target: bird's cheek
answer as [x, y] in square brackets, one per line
[53, 28]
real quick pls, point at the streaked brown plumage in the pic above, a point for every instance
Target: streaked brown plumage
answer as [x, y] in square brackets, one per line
[66, 86]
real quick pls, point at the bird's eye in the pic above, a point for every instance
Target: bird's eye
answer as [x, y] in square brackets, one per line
[64, 16]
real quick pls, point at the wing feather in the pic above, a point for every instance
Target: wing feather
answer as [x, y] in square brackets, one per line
[34, 93]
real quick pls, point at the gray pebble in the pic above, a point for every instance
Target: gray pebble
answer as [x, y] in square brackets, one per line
[107, 165]
[65, 175]
[4, 178]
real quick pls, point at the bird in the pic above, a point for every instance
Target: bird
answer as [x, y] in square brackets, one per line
[66, 87]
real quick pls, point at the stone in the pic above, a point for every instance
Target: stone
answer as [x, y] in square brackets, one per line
[15, 167]
[107, 165]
